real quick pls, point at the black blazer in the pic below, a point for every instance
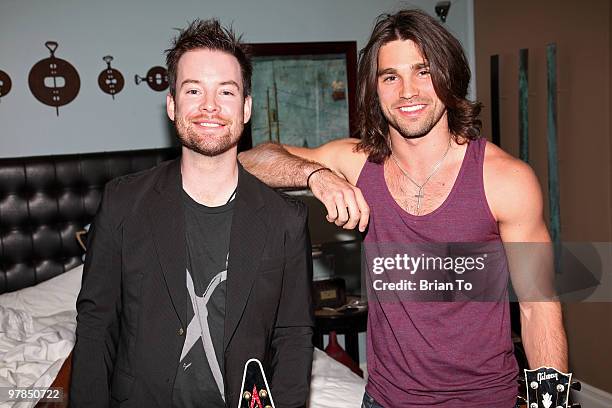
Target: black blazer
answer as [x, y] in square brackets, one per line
[132, 308]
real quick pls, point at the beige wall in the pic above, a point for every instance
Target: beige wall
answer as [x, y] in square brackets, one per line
[582, 33]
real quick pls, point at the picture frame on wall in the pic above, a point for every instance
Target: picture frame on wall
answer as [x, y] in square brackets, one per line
[303, 93]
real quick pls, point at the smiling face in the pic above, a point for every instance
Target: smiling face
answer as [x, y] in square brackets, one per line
[209, 109]
[407, 96]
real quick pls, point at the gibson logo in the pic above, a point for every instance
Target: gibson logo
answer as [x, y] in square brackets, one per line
[544, 377]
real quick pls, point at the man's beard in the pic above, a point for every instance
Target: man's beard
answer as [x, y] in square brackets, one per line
[207, 146]
[414, 130]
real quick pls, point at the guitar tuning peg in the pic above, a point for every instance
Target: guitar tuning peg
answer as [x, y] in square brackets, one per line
[576, 385]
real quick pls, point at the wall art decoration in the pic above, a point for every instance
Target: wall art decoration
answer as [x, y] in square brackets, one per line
[554, 196]
[5, 84]
[495, 126]
[524, 104]
[54, 81]
[110, 80]
[156, 78]
[306, 93]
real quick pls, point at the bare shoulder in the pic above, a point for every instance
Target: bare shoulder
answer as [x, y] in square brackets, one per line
[511, 186]
[341, 155]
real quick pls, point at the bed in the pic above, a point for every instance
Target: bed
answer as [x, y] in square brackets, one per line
[44, 202]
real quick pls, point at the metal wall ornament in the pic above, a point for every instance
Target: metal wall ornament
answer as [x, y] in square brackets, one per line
[156, 78]
[110, 80]
[5, 84]
[54, 81]
[554, 196]
[495, 126]
[523, 108]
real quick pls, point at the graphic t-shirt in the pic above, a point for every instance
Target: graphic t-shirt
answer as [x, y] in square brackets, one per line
[199, 377]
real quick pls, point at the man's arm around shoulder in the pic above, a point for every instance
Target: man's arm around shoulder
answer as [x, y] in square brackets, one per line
[290, 166]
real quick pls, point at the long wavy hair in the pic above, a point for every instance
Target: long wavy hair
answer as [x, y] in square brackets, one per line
[450, 75]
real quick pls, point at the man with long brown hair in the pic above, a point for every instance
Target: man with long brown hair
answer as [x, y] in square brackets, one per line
[420, 173]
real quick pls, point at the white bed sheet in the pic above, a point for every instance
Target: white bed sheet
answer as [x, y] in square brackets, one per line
[37, 326]
[334, 385]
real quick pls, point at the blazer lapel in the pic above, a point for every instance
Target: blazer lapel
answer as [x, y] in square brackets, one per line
[168, 229]
[247, 242]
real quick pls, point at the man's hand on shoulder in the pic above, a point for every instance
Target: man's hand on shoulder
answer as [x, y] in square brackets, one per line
[291, 166]
[345, 204]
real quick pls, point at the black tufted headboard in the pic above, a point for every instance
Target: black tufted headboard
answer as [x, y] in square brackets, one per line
[45, 200]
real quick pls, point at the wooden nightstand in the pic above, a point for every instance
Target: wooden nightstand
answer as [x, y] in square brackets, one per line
[349, 323]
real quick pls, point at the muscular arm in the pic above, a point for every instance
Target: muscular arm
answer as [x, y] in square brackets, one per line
[288, 166]
[274, 165]
[516, 201]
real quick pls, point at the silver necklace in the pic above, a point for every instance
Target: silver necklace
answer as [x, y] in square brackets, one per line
[419, 195]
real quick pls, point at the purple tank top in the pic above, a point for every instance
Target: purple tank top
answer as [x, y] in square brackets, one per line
[443, 354]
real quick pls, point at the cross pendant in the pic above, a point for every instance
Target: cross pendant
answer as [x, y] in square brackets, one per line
[418, 196]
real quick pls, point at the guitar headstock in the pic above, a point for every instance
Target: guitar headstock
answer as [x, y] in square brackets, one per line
[255, 390]
[546, 387]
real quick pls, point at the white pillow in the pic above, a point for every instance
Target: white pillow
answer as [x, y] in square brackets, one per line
[52, 296]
